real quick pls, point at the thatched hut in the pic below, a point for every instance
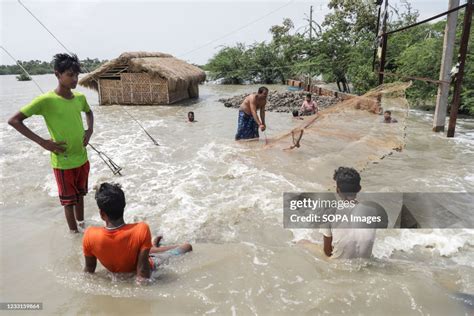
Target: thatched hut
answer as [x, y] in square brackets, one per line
[143, 78]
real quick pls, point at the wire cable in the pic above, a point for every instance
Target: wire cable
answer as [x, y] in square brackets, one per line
[108, 161]
[64, 46]
[237, 30]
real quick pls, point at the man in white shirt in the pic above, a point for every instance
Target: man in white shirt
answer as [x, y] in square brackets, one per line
[349, 243]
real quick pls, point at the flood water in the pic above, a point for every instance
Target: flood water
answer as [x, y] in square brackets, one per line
[225, 198]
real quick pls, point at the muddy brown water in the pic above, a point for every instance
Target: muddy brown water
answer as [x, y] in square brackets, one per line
[226, 199]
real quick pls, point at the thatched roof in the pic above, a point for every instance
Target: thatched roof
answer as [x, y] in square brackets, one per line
[176, 71]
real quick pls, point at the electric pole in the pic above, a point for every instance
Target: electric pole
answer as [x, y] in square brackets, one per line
[446, 61]
[462, 60]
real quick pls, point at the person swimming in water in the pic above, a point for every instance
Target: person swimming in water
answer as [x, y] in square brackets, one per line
[296, 115]
[191, 117]
[387, 117]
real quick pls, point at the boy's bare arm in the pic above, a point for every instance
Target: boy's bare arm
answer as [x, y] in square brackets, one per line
[16, 121]
[328, 246]
[90, 127]
[143, 265]
[262, 115]
[91, 264]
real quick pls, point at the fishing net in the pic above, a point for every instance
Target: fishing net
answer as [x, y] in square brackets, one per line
[352, 131]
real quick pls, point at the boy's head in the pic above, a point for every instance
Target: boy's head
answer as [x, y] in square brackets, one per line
[295, 113]
[191, 116]
[347, 181]
[308, 97]
[67, 68]
[387, 115]
[111, 201]
[262, 92]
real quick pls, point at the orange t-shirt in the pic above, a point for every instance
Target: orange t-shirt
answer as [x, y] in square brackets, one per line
[117, 249]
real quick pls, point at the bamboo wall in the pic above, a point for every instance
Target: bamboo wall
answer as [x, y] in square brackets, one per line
[193, 90]
[134, 88]
[180, 92]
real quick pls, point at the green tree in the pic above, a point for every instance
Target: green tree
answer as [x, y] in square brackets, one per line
[229, 64]
[422, 59]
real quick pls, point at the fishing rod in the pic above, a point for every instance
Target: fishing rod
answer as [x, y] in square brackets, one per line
[64, 46]
[139, 124]
[106, 159]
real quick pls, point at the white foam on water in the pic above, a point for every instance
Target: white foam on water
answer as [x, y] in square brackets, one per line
[444, 242]
[203, 188]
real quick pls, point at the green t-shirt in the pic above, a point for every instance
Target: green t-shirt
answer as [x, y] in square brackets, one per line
[64, 121]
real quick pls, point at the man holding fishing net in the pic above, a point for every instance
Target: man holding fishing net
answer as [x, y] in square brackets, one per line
[61, 109]
[249, 122]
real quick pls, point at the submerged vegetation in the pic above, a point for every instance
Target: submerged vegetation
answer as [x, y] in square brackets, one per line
[341, 50]
[23, 77]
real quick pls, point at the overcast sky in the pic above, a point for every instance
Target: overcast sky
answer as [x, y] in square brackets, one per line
[104, 29]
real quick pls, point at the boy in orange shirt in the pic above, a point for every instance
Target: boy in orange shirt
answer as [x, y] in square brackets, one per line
[122, 247]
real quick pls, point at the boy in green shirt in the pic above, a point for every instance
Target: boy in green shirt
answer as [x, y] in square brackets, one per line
[61, 110]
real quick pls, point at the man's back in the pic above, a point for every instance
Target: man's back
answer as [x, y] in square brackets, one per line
[349, 241]
[117, 249]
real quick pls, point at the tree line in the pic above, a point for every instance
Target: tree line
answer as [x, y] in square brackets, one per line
[341, 50]
[38, 67]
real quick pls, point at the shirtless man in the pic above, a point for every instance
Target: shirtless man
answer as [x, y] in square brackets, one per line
[249, 122]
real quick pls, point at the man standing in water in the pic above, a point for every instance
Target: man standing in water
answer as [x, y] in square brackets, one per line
[349, 240]
[61, 110]
[249, 122]
[348, 243]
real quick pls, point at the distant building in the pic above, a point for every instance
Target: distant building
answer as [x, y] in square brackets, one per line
[144, 78]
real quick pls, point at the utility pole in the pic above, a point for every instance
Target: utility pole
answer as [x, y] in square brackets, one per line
[462, 60]
[379, 4]
[439, 118]
[310, 38]
[384, 44]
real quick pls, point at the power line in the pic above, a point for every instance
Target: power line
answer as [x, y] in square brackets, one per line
[237, 30]
[108, 161]
[22, 68]
[44, 26]
[64, 46]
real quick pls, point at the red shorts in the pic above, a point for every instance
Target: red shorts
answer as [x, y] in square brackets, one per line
[72, 183]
